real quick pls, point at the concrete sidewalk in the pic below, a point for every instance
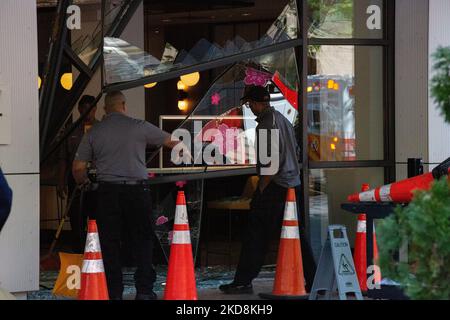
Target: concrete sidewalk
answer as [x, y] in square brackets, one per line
[263, 285]
[208, 281]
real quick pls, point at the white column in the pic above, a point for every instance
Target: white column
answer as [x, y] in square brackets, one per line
[411, 82]
[19, 159]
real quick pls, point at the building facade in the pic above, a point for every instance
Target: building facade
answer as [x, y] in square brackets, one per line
[364, 68]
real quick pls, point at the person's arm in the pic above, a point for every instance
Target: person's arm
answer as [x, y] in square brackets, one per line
[5, 199]
[82, 157]
[169, 143]
[156, 137]
[182, 154]
[79, 171]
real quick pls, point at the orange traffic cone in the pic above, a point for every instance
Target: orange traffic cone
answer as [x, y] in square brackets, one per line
[289, 279]
[180, 284]
[93, 278]
[399, 192]
[359, 255]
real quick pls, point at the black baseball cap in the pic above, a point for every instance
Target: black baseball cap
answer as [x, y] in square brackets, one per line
[255, 93]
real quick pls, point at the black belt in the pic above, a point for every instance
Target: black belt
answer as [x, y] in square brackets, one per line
[125, 183]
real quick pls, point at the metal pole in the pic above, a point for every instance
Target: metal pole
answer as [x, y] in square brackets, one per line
[415, 167]
[82, 81]
[51, 80]
[302, 9]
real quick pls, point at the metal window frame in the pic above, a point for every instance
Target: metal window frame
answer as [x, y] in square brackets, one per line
[204, 66]
[388, 45]
[46, 100]
[301, 44]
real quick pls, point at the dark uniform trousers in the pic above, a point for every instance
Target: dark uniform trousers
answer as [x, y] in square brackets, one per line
[264, 222]
[126, 207]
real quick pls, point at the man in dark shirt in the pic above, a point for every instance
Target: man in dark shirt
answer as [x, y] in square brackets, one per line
[5, 200]
[278, 170]
[117, 146]
[77, 214]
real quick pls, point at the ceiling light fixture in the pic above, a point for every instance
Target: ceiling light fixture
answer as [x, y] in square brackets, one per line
[150, 85]
[67, 81]
[190, 79]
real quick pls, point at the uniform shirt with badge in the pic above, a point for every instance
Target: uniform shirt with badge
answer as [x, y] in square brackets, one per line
[117, 147]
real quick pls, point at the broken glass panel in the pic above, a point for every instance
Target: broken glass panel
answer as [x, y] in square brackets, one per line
[125, 62]
[225, 129]
[88, 39]
[221, 130]
[222, 127]
[169, 54]
[163, 213]
[129, 62]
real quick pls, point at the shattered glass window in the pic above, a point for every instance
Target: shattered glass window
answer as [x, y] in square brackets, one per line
[125, 62]
[163, 214]
[86, 44]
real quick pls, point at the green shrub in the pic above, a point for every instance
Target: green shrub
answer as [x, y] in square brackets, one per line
[440, 83]
[425, 223]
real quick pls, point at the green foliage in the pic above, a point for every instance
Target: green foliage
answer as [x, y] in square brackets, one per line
[425, 223]
[440, 84]
[323, 10]
[320, 9]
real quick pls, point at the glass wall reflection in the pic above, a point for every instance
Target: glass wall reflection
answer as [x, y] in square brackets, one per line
[345, 103]
[346, 19]
[328, 189]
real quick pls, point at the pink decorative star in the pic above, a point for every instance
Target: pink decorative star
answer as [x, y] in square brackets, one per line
[161, 220]
[215, 99]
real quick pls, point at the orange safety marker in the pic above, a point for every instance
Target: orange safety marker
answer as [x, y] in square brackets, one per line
[93, 278]
[398, 192]
[289, 278]
[360, 253]
[180, 284]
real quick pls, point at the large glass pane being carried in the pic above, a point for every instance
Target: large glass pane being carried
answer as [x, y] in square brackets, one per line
[220, 129]
[345, 103]
[126, 62]
[361, 19]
